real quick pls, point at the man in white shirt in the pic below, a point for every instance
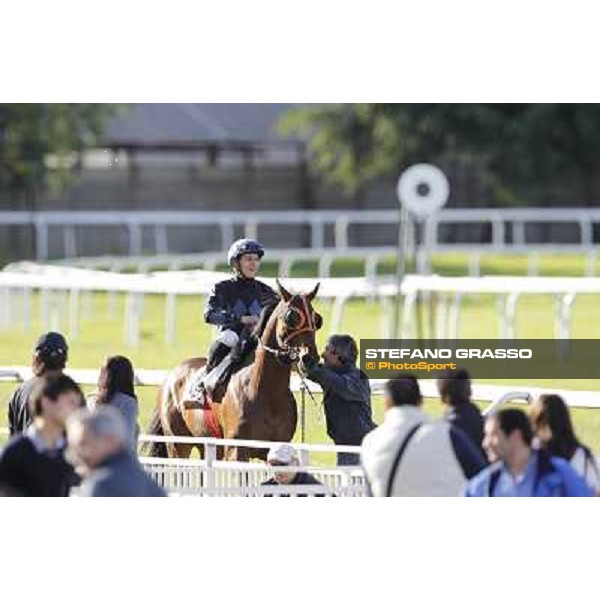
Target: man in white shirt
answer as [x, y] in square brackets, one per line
[410, 455]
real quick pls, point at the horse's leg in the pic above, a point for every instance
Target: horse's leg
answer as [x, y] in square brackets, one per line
[171, 451]
[260, 453]
[183, 450]
[243, 454]
[230, 453]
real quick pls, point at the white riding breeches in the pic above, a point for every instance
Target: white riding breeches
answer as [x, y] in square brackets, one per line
[228, 337]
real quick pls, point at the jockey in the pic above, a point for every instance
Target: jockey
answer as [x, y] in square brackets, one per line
[234, 306]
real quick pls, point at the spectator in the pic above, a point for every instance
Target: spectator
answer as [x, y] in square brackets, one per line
[283, 455]
[455, 391]
[347, 394]
[517, 469]
[409, 455]
[100, 444]
[33, 463]
[552, 425]
[116, 388]
[49, 357]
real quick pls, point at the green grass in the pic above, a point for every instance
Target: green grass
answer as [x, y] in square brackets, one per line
[101, 330]
[449, 264]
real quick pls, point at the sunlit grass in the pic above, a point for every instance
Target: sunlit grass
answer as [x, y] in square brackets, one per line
[101, 330]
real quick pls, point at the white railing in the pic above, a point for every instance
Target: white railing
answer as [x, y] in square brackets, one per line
[274, 490]
[325, 258]
[209, 476]
[501, 221]
[61, 289]
[495, 394]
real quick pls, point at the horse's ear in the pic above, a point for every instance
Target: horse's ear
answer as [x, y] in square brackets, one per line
[283, 292]
[311, 295]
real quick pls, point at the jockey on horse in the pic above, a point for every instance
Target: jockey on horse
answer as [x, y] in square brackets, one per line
[234, 306]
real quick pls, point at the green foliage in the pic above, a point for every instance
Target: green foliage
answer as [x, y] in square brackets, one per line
[528, 150]
[32, 133]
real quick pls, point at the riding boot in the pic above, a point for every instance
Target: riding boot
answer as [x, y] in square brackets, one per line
[217, 352]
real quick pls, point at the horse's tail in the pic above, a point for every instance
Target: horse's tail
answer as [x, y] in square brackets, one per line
[156, 449]
[166, 395]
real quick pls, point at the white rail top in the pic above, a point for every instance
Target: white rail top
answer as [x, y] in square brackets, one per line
[36, 276]
[481, 391]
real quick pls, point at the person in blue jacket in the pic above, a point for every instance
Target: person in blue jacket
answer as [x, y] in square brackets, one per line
[234, 306]
[519, 470]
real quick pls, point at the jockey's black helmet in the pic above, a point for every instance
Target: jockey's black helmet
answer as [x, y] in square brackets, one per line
[244, 246]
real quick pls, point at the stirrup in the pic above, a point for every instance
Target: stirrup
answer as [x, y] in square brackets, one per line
[198, 395]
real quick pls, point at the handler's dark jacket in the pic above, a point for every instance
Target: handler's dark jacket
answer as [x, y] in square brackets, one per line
[234, 298]
[346, 399]
[19, 418]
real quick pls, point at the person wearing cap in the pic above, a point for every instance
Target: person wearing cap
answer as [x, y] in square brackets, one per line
[99, 444]
[33, 463]
[346, 393]
[50, 356]
[234, 306]
[284, 455]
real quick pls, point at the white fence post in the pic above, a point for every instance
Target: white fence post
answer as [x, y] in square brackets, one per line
[210, 456]
[170, 318]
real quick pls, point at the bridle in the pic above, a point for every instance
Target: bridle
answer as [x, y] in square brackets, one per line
[290, 354]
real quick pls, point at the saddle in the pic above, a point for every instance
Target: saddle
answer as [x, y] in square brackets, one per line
[203, 388]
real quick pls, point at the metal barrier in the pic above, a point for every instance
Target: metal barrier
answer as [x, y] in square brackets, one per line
[201, 477]
[501, 221]
[273, 490]
[245, 478]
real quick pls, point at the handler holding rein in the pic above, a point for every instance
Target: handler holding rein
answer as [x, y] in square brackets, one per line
[347, 393]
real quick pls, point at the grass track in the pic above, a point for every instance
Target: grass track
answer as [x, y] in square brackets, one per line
[101, 330]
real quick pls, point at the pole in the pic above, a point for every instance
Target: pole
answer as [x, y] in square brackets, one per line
[303, 412]
[401, 252]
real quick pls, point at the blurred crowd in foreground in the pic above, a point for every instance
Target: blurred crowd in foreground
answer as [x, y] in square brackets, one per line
[62, 444]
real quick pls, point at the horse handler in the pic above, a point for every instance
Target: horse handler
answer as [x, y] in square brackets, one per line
[347, 393]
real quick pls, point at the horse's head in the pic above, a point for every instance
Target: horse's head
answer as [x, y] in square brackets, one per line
[297, 321]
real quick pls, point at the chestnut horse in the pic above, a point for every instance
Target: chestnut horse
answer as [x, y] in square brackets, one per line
[257, 403]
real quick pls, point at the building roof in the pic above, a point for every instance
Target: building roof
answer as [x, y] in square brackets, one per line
[188, 125]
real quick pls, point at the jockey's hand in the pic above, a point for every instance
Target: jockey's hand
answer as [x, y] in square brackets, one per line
[249, 320]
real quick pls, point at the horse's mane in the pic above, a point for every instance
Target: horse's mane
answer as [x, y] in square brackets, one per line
[265, 315]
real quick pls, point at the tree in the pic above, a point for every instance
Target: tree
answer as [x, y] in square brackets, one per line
[31, 133]
[529, 151]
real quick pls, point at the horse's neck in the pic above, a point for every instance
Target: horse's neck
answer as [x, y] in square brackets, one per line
[268, 373]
